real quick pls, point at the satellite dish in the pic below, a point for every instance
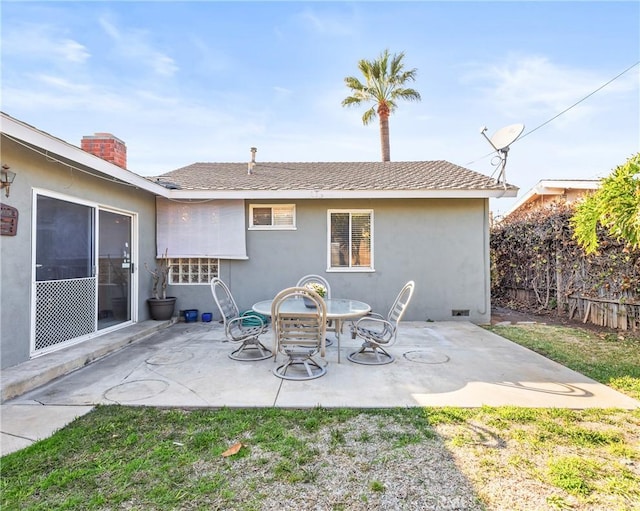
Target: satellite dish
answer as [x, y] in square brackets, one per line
[500, 141]
[506, 136]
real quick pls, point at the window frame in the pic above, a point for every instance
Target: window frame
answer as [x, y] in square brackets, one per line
[272, 227]
[350, 268]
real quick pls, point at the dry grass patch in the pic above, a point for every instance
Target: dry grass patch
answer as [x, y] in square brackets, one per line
[523, 459]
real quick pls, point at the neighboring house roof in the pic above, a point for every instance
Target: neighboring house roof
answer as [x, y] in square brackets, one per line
[554, 187]
[334, 180]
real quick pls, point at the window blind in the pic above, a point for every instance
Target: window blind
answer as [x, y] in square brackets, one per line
[283, 215]
[350, 239]
[213, 228]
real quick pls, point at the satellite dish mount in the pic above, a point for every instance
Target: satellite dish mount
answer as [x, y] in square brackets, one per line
[500, 141]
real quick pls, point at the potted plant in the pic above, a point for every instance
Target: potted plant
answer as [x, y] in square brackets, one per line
[317, 288]
[160, 306]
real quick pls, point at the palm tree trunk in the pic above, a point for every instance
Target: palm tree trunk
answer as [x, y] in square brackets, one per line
[384, 137]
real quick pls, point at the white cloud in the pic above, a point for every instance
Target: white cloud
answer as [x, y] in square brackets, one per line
[41, 41]
[133, 45]
[73, 51]
[333, 24]
[163, 65]
[210, 59]
[63, 84]
[63, 101]
[534, 86]
[282, 91]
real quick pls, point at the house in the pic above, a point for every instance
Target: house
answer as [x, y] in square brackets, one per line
[78, 230]
[80, 225]
[548, 190]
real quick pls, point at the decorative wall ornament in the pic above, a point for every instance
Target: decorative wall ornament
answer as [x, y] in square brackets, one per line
[8, 221]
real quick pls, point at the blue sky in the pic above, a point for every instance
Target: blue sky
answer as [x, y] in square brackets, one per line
[181, 82]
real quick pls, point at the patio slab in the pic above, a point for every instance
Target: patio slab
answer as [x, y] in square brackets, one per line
[186, 365]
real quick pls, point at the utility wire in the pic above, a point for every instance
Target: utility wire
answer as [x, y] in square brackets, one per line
[563, 112]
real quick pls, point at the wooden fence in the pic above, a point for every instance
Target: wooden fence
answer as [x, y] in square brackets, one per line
[605, 312]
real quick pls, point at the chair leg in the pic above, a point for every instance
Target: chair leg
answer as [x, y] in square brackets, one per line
[302, 368]
[371, 354]
[251, 350]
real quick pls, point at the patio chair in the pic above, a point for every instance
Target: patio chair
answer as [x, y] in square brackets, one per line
[378, 331]
[243, 330]
[308, 279]
[299, 334]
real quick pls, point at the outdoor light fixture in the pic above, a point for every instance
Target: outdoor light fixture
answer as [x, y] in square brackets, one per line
[6, 179]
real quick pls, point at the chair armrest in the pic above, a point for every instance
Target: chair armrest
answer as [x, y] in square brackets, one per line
[238, 332]
[376, 329]
[352, 326]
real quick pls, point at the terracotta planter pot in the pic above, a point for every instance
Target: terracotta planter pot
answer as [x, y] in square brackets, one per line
[161, 309]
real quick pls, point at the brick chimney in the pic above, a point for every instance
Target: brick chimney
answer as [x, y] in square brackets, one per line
[107, 147]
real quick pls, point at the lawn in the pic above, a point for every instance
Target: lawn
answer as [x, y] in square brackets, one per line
[493, 458]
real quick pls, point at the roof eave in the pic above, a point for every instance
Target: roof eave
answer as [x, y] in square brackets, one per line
[342, 194]
[552, 187]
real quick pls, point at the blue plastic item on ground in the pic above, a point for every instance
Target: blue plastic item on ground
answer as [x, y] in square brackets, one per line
[190, 315]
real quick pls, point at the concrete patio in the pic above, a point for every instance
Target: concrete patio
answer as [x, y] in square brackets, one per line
[186, 365]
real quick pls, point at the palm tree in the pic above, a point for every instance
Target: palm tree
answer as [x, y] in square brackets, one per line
[384, 84]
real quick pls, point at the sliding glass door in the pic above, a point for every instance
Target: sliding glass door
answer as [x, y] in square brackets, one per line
[82, 274]
[114, 269]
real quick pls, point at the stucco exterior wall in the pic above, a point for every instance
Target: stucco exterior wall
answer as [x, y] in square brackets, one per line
[35, 171]
[441, 244]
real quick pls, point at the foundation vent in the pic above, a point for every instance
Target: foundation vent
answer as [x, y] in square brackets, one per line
[460, 313]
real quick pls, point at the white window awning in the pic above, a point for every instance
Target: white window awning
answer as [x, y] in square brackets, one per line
[212, 228]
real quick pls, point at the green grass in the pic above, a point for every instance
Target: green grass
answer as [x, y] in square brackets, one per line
[120, 457]
[149, 458]
[164, 459]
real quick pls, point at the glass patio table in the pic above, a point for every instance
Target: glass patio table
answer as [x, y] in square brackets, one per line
[338, 310]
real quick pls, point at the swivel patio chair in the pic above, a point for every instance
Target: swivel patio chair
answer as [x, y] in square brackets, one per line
[317, 279]
[243, 330]
[378, 331]
[299, 334]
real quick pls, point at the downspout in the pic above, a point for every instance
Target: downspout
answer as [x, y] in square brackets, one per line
[485, 259]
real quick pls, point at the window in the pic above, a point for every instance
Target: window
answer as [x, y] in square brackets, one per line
[272, 216]
[193, 270]
[351, 239]
[65, 239]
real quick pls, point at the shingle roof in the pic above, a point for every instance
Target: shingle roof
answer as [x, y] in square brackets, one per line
[356, 176]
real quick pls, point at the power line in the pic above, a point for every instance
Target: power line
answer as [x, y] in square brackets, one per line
[564, 111]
